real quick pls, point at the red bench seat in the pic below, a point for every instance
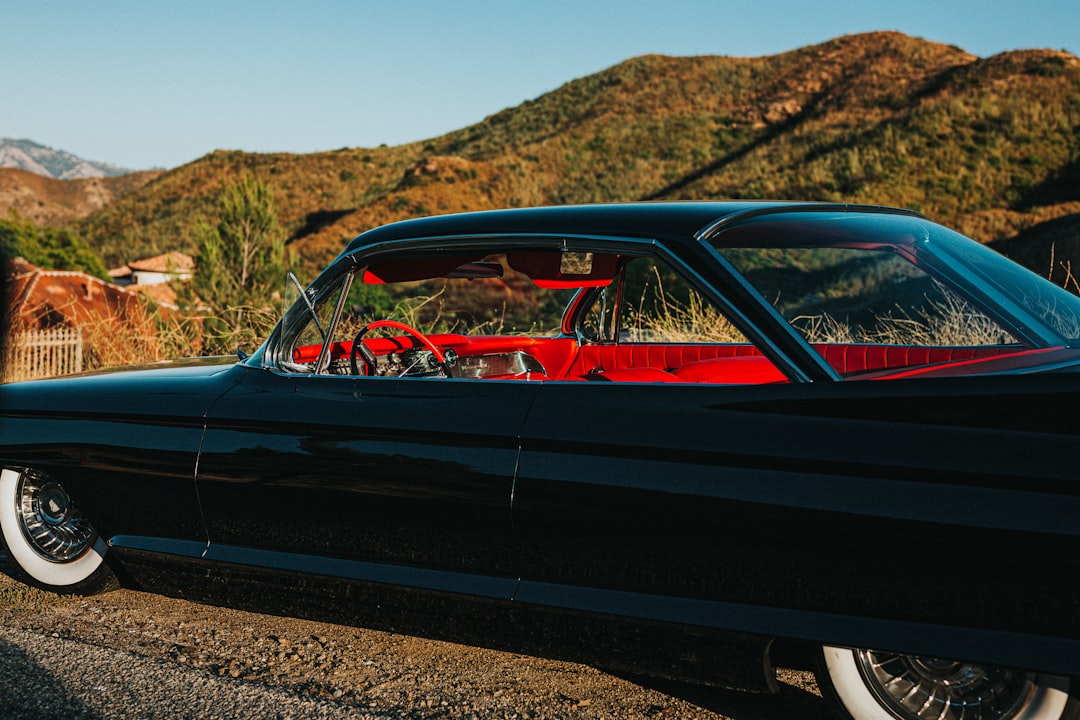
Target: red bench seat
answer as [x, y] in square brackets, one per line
[742, 363]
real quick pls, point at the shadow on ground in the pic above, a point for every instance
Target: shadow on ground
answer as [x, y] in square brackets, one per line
[790, 702]
[31, 691]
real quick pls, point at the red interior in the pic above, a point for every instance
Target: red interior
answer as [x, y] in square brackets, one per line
[729, 363]
[855, 358]
[733, 363]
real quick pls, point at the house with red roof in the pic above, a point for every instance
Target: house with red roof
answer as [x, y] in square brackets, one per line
[153, 276]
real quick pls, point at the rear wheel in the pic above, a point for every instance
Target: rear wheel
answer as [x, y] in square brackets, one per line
[874, 685]
[48, 539]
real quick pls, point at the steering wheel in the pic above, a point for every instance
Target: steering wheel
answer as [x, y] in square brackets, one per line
[368, 357]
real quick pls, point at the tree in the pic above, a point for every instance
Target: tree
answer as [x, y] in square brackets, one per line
[49, 248]
[240, 262]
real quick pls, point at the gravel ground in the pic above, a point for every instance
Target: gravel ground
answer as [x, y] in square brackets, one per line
[127, 654]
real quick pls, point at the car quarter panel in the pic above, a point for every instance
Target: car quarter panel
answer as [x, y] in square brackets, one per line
[927, 516]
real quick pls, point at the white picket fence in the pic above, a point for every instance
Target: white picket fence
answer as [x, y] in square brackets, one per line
[43, 353]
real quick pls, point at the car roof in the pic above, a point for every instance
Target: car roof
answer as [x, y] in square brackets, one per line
[670, 221]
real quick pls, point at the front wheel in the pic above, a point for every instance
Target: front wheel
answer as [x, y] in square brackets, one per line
[875, 685]
[47, 538]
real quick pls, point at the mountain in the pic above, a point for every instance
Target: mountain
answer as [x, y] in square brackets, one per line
[41, 160]
[990, 146]
[45, 201]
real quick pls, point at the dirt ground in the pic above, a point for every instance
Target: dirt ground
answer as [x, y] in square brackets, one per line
[374, 673]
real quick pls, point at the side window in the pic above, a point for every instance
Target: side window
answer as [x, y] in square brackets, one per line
[847, 295]
[652, 326]
[654, 304]
[500, 317]
[485, 296]
[477, 305]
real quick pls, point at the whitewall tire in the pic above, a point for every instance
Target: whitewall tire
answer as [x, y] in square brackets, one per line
[47, 538]
[872, 685]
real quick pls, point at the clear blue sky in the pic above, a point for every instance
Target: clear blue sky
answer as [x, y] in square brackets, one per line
[157, 83]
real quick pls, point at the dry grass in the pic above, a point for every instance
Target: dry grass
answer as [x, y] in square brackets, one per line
[824, 328]
[201, 334]
[111, 341]
[947, 321]
[1066, 265]
[669, 320]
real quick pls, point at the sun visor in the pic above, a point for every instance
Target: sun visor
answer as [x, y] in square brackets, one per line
[415, 268]
[556, 270]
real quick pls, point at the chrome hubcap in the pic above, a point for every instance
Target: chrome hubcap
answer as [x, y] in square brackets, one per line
[54, 527]
[924, 688]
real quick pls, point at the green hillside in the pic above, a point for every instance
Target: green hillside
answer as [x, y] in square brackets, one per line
[991, 146]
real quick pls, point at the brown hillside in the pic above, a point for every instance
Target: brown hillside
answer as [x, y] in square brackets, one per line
[880, 118]
[310, 191]
[1050, 245]
[431, 186]
[989, 145]
[45, 201]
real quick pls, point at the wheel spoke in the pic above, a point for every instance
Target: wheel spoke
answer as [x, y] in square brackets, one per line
[52, 525]
[923, 688]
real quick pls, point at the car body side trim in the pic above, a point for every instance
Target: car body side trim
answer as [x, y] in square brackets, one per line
[162, 546]
[372, 572]
[1038, 653]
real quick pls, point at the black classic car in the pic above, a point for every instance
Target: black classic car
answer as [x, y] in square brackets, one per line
[676, 439]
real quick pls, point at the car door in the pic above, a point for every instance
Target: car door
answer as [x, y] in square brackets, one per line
[401, 480]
